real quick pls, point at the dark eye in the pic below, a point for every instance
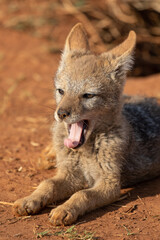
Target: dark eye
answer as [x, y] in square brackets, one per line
[61, 92]
[89, 95]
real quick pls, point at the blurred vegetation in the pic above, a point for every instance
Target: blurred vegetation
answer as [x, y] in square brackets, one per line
[107, 23]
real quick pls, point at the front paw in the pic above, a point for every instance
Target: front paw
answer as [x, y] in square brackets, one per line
[26, 206]
[63, 215]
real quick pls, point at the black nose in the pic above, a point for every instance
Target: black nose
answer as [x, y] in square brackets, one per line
[62, 113]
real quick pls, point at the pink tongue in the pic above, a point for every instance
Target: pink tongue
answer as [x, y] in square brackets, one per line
[75, 135]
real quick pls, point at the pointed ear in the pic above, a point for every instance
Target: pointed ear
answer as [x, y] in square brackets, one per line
[77, 39]
[120, 57]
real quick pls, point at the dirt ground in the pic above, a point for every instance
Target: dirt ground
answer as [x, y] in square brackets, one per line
[26, 114]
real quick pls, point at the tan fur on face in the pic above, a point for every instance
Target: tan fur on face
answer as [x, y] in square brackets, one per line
[81, 72]
[115, 149]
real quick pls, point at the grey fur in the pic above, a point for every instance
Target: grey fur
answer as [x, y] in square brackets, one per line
[143, 160]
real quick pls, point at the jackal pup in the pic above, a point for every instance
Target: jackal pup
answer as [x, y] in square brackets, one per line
[103, 140]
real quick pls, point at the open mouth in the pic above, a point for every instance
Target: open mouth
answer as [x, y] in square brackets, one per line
[77, 132]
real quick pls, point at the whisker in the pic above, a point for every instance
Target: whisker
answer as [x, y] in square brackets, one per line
[48, 107]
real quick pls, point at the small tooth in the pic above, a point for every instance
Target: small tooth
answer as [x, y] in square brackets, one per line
[85, 131]
[69, 129]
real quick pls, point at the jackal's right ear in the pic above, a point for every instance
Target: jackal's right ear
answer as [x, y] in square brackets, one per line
[76, 40]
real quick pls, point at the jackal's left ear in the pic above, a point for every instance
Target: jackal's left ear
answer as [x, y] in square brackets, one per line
[120, 57]
[77, 39]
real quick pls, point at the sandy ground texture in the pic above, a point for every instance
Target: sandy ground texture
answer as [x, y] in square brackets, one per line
[26, 114]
